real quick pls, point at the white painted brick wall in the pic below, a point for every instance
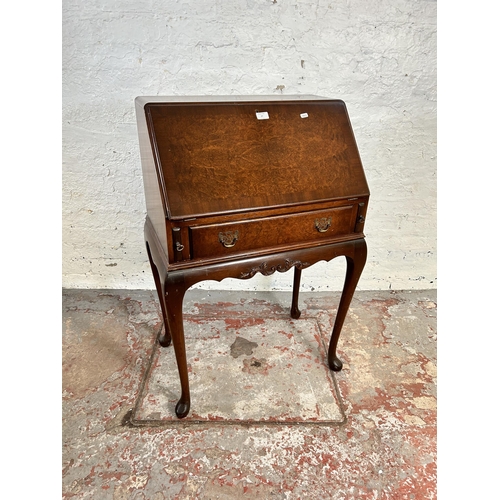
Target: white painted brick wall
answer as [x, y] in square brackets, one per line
[377, 56]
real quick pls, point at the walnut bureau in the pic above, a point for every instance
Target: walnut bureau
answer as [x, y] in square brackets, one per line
[239, 185]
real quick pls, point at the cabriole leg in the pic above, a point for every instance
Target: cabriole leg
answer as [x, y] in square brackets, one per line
[165, 339]
[355, 265]
[174, 298]
[295, 312]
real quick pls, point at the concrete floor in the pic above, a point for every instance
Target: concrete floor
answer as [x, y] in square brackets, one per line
[267, 420]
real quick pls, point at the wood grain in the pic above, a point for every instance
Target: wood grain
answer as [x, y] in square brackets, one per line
[218, 158]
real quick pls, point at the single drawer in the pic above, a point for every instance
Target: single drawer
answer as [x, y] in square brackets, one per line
[216, 240]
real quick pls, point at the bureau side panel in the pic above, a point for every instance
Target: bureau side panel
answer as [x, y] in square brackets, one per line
[155, 202]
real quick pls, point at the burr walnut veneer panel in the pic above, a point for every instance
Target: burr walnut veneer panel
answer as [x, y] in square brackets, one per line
[218, 157]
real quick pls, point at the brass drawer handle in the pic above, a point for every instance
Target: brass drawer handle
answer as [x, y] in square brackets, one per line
[229, 238]
[323, 224]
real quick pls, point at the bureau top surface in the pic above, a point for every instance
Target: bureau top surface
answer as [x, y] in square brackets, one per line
[230, 154]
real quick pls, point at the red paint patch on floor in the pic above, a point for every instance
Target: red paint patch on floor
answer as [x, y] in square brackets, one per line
[239, 323]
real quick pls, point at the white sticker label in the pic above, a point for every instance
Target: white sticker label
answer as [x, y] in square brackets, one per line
[262, 115]
[304, 115]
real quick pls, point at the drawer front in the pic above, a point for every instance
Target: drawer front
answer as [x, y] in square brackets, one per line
[225, 239]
